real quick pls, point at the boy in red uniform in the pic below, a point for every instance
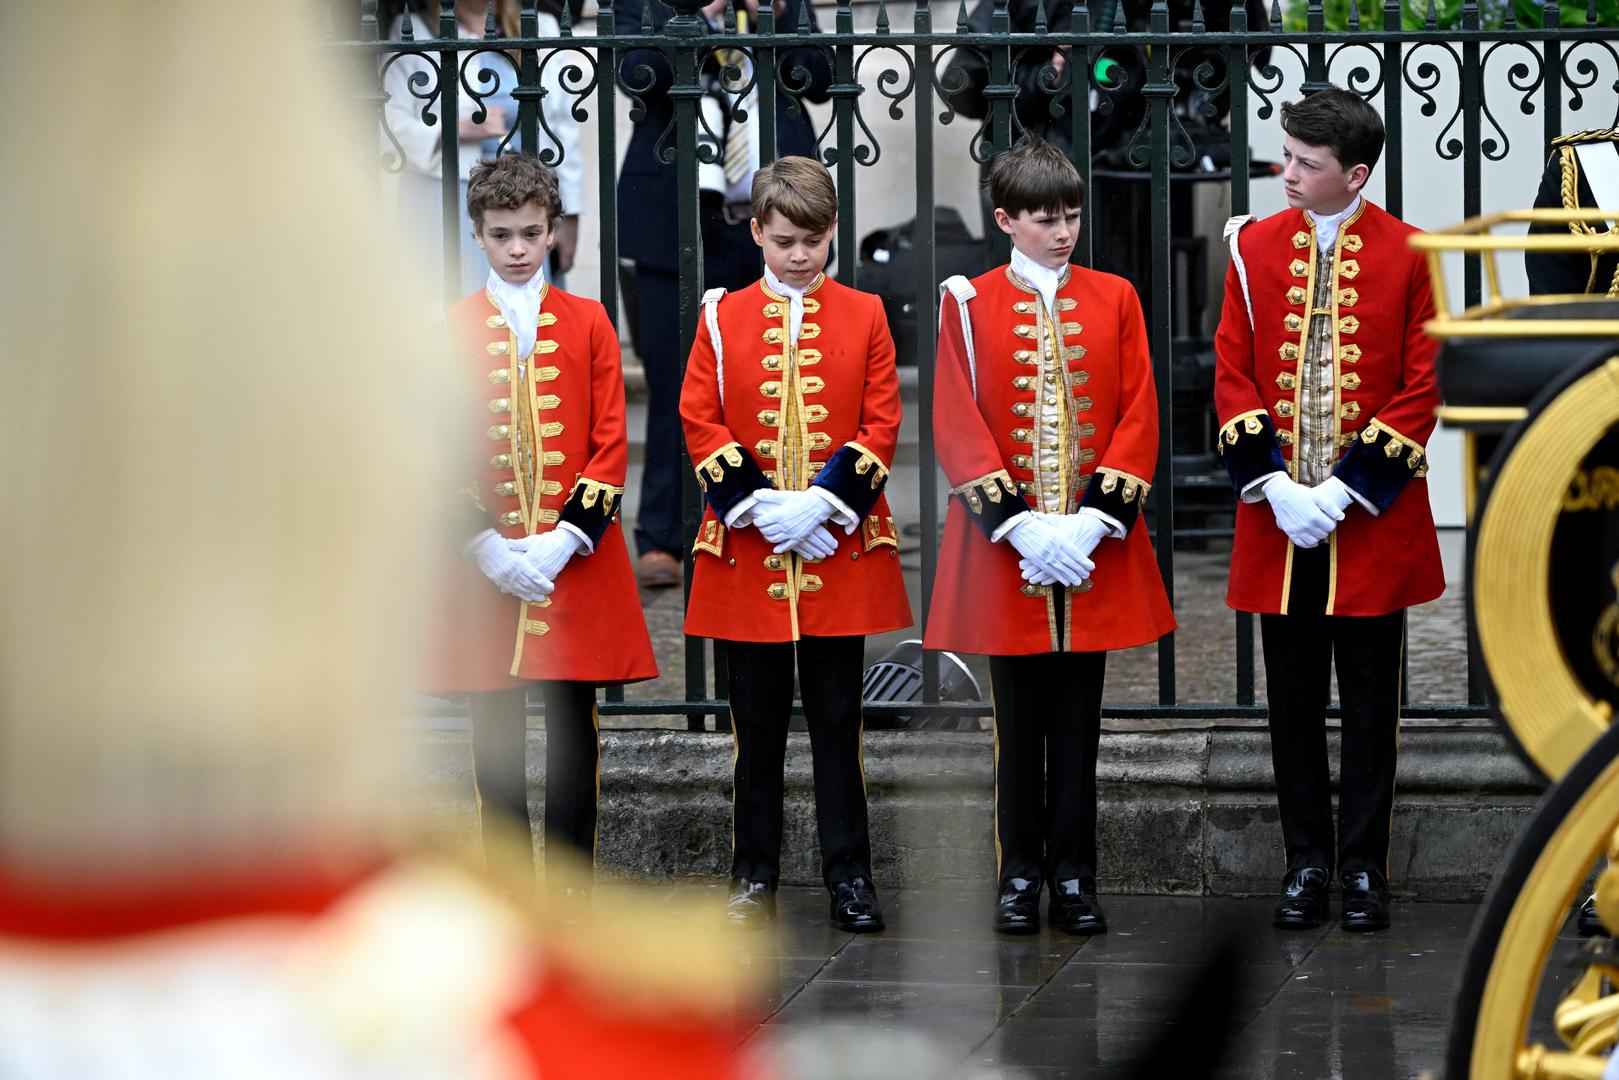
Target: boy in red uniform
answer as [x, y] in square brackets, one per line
[556, 600]
[1326, 394]
[1046, 421]
[795, 375]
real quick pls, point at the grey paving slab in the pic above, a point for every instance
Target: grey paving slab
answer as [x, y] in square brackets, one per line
[1322, 1005]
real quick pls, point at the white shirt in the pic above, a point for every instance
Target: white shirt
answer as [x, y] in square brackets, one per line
[520, 304]
[1326, 225]
[795, 299]
[1042, 277]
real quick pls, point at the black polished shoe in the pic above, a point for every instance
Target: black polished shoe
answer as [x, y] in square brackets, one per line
[854, 906]
[1588, 923]
[1017, 908]
[751, 905]
[1303, 903]
[1075, 908]
[1365, 902]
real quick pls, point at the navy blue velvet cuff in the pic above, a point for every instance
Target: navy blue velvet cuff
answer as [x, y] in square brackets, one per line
[1249, 447]
[992, 501]
[1116, 494]
[729, 475]
[590, 508]
[855, 476]
[1379, 464]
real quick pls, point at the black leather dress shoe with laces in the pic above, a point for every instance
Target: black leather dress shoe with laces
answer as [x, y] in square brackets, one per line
[854, 906]
[1303, 903]
[751, 905]
[1017, 907]
[1075, 908]
[1366, 902]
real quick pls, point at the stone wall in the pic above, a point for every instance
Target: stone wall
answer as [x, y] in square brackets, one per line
[1183, 811]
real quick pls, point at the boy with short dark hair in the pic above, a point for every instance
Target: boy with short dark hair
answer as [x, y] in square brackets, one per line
[1326, 394]
[1046, 422]
[555, 601]
[797, 553]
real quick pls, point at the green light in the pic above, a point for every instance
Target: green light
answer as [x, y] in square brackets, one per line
[1105, 72]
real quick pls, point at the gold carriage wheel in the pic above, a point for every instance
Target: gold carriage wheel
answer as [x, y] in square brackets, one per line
[1517, 928]
[1550, 715]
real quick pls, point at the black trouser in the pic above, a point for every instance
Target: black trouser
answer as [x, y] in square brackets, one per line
[1048, 723]
[761, 687]
[1299, 655]
[500, 773]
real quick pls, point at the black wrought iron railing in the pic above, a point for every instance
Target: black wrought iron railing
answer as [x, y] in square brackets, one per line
[1157, 83]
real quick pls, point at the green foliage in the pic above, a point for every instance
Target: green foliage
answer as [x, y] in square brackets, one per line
[1447, 14]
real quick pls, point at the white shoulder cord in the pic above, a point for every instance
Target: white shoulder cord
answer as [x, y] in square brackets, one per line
[962, 289]
[711, 309]
[1233, 226]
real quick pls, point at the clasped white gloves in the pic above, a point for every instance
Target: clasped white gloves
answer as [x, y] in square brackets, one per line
[1084, 531]
[1298, 513]
[792, 521]
[507, 564]
[1333, 496]
[1049, 555]
[549, 552]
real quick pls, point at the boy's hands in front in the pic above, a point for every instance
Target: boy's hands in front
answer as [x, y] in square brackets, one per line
[1084, 530]
[1049, 556]
[549, 552]
[1298, 514]
[1333, 497]
[506, 563]
[786, 517]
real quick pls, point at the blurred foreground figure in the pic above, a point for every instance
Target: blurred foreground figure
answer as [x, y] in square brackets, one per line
[216, 435]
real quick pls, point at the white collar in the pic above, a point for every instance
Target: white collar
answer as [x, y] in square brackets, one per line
[795, 302]
[1042, 277]
[521, 306]
[1326, 226]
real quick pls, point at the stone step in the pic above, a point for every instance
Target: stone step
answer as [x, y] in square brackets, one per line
[1187, 811]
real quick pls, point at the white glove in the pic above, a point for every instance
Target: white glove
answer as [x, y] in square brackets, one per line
[549, 552]
[1049, 557]
[1084, 530]
[785, 517]
[1333, 497]
[504, 562]
[1297, 514]
[818, 543]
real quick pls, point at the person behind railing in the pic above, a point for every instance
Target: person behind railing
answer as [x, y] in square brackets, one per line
[419, 191]
[1582, 173]
[1120, 69]
[1047, 427]
[648, 228]
[1326, 393]
[797, 554]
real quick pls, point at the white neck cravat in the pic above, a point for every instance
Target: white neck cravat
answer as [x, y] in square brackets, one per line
[1042, 277]
[1326, 226]
[795, 299]
[521, 306]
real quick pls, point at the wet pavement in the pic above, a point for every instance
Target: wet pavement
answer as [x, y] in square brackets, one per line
[1319, 1004]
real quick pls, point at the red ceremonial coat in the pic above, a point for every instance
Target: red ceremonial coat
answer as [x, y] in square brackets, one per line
[992, 417]
[1384, 398]
[550, 446]
[826, 413]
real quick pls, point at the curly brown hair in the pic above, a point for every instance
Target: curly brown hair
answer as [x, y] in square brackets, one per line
[511, 182]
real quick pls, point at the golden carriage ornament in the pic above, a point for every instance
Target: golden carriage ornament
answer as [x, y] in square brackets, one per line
[1533, 384]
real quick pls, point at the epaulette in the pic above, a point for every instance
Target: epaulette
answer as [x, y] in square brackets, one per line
[1591, 135]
